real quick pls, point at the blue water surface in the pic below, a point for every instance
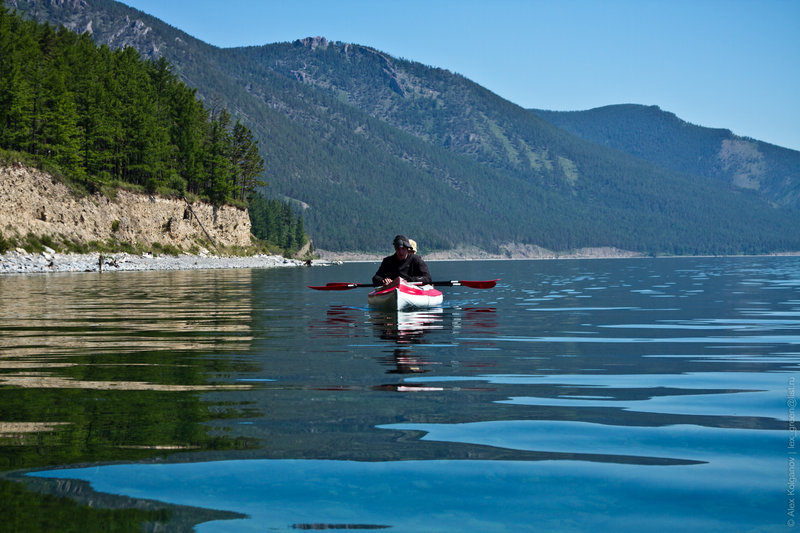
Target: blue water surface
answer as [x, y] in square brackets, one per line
[617, 395]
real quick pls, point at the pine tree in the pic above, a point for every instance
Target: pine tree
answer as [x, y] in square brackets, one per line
[189, 119]
[218, 159]
[299, 233]
[247, 161]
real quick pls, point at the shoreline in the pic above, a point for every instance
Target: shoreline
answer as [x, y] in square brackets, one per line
[588, 254]
[471, 253]
[17, 262]
[50, 262]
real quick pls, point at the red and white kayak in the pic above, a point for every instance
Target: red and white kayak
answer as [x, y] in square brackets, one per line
[405, 296]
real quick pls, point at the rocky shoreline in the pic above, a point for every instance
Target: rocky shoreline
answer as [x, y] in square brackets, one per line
[21, 262]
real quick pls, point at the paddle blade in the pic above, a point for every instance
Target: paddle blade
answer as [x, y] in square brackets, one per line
[487, 284]
[334, 287]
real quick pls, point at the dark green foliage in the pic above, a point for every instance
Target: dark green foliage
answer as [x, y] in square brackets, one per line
[274, 222]
[110, 117]
[248, 164]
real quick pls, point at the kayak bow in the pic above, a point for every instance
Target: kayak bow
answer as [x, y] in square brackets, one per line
[405, 296]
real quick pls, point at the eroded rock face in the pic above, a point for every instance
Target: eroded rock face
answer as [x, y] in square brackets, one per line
[31, 202]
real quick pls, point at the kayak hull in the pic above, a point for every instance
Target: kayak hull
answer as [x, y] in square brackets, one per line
[405, 296]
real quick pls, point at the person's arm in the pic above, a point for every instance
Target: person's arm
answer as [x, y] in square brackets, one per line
[420, 269]
[377, 279]
[382, 273]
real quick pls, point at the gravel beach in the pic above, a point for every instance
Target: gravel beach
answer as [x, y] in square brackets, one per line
[19, 262]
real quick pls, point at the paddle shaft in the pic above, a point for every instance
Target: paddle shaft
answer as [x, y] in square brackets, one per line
[487, 284]
[345, 286]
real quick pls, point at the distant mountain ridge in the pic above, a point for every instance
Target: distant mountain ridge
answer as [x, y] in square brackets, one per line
[664, 139]
[369, 145]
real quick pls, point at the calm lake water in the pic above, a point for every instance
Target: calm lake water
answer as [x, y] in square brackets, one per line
[616, 395]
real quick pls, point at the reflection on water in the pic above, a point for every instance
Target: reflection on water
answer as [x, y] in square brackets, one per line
[405, 328]
[56, 316]
[110, 367]
[575, 396]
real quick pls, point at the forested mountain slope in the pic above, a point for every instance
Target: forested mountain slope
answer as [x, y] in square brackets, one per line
[664, 139]
[370, 145]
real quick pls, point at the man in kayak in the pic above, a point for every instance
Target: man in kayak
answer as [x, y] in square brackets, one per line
[402, 264]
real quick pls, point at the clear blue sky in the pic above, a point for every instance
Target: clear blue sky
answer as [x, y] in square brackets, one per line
[719, 63]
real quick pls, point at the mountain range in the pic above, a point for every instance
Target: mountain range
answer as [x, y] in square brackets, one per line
[367, 145]
[663, 139]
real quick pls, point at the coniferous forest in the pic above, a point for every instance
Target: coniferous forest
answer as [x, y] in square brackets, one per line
[107, 117]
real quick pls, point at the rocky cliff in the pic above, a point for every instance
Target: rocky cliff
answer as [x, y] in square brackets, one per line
[32, 202]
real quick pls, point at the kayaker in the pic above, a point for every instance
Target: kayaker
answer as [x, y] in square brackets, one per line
[402, 264]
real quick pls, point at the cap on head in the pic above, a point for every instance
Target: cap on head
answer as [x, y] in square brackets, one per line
[401, 241]
[412, 245]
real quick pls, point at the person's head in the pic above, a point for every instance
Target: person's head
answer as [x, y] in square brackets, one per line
[401, 246]
[412, 246]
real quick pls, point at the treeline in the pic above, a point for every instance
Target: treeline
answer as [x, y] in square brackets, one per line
[108, 116]
[274, 221]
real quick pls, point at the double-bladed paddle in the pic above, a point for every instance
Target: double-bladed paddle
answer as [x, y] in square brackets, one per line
[344, 286]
